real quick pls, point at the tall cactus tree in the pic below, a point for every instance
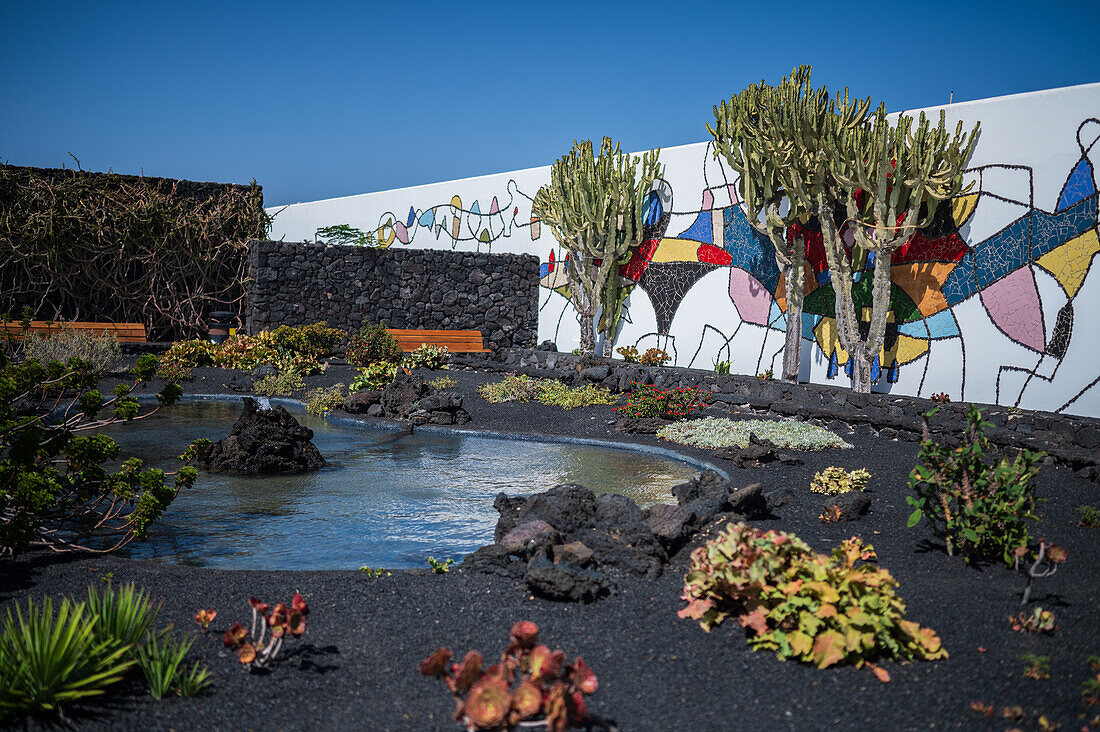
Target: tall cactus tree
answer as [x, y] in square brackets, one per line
[595, 208]
[773, 137]
[888, 178]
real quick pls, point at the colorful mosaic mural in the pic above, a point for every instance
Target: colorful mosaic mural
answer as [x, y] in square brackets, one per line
[1007, 260]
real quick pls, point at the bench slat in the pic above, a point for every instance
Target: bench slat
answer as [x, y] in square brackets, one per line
[125, 332]
[465, 341]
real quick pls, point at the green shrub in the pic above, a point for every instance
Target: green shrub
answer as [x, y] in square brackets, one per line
[722, 367]
[713, 433]
[556, 394]
[192, 353]
[100, 352]
[650, 402]
[373, 344]
[629, 353]
[833, 481]
[298, 363]
[245, 352]
[287, 348]
[823, 609]
[1090, 517]
[49, 661]
[283, 383]
[980, 510]
[315, 340]
[374, 376]
[54, 489]
[427, 356]
[443, 382]
[511, 388]
[320, 401]
[546, 391]
[654, 357]
[347, 235]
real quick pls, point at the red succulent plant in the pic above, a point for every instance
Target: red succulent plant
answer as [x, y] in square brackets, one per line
[281, 621]
[530, 684]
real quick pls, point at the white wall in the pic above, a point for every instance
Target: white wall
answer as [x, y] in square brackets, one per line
[993, 330]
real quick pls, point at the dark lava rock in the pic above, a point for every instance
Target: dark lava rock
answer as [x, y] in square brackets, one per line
[443, 407]
[705, 495]
[400, 397]
[622, 538]
[788, 459]
[547, 346]
[567, 507]
[529, 537]
[641, 425]
[753, 456]
[265, 442]
[563, 581]
[670, 524]
[596, 373]
[574, 552]
[509, 508]
[361, 401]
[374, 410]
[447, 401]
[852, 505]
[780, 496]
[493, 559]
[749, 502]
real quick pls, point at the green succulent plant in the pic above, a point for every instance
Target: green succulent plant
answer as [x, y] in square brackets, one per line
[832, 481]
[50, 661]
[823, 609]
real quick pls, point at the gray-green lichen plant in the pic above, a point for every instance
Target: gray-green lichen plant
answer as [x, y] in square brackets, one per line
[595, 208]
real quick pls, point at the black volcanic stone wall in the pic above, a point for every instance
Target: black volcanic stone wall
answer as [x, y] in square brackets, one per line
[301, 283]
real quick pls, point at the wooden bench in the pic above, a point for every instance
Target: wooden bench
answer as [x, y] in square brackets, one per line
[125, 332]
[456, 341]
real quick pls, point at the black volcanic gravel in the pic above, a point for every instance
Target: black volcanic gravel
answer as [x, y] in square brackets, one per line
[356, 667]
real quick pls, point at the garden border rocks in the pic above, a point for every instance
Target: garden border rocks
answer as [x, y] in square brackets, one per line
[570, 545]
[1071, 439]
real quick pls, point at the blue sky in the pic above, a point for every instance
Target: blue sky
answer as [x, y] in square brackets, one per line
[316, 100]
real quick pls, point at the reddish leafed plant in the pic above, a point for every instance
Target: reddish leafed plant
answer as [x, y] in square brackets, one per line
[274, 624]
[205, 617]
[530, 686]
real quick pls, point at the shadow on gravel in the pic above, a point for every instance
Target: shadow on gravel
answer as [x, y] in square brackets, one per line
[311, 658]
[20, 576]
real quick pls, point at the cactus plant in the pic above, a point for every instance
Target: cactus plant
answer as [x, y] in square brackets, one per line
[595, 208]
[755, 131]
[888, 178]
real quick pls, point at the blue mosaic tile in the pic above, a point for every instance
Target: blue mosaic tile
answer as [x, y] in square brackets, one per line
[750, 250]
[960, 284]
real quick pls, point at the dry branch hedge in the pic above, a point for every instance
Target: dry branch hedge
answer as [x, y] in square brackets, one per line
[77, 245]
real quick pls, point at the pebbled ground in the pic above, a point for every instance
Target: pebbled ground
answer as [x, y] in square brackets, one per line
[356, 667]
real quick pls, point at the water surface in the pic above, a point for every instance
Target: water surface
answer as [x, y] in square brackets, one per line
[385, 500]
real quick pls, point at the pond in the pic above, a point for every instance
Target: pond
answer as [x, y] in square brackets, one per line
[385, 500]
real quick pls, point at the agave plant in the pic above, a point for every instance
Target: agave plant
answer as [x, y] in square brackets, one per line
[160, 659]
[531, 686]
[257, 651]
[49, 661]
[123, 616]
